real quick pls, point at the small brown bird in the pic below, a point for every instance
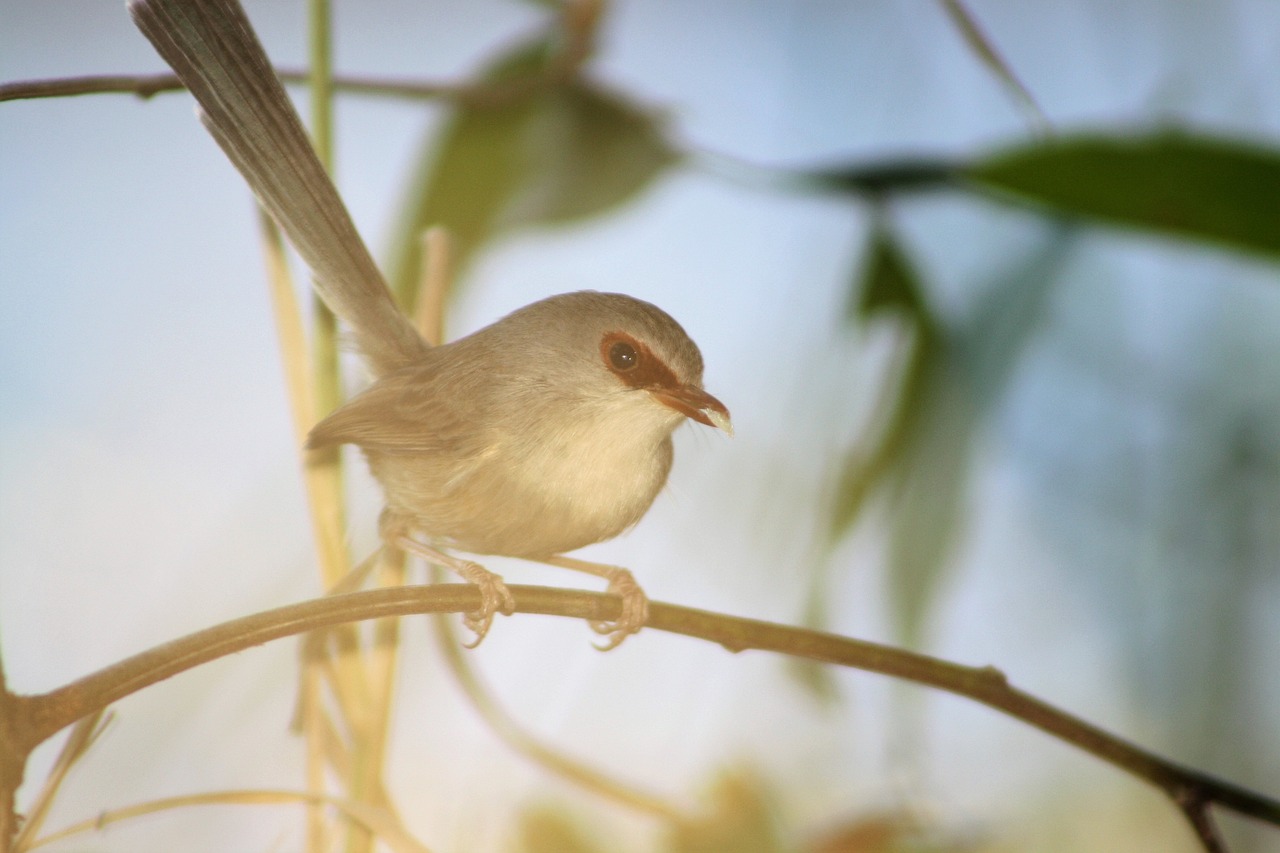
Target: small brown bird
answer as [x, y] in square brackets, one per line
[541, 433]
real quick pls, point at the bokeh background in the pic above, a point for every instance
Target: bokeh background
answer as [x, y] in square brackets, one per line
[1086, 494]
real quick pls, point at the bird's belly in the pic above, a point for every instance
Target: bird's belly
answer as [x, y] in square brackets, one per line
[530, 502]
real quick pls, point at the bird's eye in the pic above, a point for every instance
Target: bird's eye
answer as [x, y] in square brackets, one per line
[623, 356]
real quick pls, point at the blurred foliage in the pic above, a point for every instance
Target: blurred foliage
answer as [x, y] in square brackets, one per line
[916, 449]
[1176, 183]
[744, 815]
[546, 829]
[917, 453]
[742, 818]
[886, 832]
[872, 834]
[887, 287]
[546, 148]
[550, 147]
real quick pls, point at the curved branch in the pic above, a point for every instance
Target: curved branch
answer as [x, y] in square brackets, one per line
[35, 718]
[515, 736]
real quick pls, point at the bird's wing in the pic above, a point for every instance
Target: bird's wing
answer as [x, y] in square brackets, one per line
[409, 412]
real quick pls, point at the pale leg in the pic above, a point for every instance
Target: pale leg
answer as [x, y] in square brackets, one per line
[494, 596]
[635, 604]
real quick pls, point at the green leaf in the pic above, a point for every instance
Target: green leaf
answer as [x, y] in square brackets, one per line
[553, 153]
[463, 177]
[888, 283]
[864, 469]
[918, 453]
[962, 377]
[591, 150]
[1177, 184]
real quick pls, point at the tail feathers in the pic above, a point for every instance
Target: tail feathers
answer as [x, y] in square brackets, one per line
[213, 49]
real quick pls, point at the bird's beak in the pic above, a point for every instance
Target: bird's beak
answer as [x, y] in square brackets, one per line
[697, 404]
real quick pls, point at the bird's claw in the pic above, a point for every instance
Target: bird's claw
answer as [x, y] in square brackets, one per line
[494, 598]
[635, 610]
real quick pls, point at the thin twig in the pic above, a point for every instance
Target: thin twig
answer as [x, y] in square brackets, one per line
[1196, 810]
[989, 55]
[83, 735]
[43, 715]
[510, 732]
[577, 27]
[147, 86]
[386, 825]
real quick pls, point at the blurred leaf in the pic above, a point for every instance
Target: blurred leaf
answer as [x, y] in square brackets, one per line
[550, 830]
[926, 485]
[741, 820]
[917, 452]
[961, 379]
[553, 153]
[1174, 183]
[464, 177]
[877, 833]
[593, 151]
[887, 284]
[870, 462]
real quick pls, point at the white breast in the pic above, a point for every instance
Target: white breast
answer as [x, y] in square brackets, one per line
[608, 463]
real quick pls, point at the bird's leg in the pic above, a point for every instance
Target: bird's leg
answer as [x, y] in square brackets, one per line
[494, 595]
[635, 604]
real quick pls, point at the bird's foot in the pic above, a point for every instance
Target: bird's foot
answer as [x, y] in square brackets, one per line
[635, 609]
[494, 598]
[494, 595]
[635, 604]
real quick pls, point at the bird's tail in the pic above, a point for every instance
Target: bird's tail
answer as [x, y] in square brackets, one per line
[217, 56]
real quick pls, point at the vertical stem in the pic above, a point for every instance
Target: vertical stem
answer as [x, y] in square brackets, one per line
[321, 38]
[326, 466]
[328, 386]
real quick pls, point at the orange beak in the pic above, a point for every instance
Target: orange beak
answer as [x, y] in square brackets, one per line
[696, 404]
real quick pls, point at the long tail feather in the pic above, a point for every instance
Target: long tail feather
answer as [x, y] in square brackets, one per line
[213, 49]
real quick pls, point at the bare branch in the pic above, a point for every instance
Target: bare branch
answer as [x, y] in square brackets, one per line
[36, 718]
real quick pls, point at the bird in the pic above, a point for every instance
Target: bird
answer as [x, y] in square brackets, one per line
[541, 433]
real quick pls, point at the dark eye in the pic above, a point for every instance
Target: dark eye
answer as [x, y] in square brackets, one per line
[622, 356]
